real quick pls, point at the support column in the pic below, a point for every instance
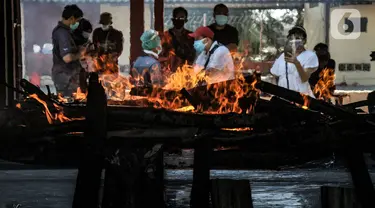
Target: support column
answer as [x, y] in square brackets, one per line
[136, 28]
[3, 57]
[17, 44]
[10, 51]
[159, 15]
[327, 17]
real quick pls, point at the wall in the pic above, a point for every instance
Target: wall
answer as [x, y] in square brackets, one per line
[356, 51]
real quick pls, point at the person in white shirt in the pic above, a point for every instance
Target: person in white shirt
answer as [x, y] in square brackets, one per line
[215, 59]
[293, 68]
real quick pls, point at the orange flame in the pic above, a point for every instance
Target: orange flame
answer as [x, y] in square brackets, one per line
[324, 88]
[51, 118]
[226, 95]
[237, 129]
[306, 101]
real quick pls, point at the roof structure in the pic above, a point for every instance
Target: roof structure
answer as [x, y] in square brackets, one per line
[250, 4]
[209, 1]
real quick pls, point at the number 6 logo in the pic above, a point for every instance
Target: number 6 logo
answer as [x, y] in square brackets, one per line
[338, 25]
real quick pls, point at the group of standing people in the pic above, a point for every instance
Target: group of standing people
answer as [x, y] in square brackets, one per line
[70, 40]
[208, 49]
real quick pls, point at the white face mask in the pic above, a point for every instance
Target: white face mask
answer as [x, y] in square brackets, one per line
[86, 35]
[105, 27]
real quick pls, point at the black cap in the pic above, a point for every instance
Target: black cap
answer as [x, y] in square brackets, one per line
[298, 30]
[85, 25]
[105, 18]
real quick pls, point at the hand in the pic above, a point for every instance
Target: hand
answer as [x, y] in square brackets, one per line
[211, 72]
[290, 58]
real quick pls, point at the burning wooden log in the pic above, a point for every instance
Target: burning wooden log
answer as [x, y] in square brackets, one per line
[158, 117]
[296, 97]
[237, 92]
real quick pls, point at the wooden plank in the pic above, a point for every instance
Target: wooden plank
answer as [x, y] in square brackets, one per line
[362, 182]
[89, 173]
[136, 177]
[201, 174]
[153, 189]
[338, 197]
[227, 193]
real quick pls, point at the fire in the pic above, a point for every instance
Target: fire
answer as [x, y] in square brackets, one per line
[52, 118]
[225, 97]
[325, 86]
[79, 95]
[306, 101]
[237, 129]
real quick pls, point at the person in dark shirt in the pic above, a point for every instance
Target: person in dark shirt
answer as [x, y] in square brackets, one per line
[178, 46]
[81, 38]
[224, 33]
[66, 56]
[82, 34]
[108, 42]
[325, 62]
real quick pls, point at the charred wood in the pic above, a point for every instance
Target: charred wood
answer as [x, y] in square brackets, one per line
[338, 197]
[362, 182]
[89, 173]
[172, 118]
[201, 173]
[296, 97]
[231, 193]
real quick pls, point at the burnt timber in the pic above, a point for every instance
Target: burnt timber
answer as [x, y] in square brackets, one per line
[309, 134]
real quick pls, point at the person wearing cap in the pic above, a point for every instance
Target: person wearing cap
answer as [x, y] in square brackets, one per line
[214, 58]
[224, 33]
[146, 70]
[294, 67]
[107, 40]
[66, 55]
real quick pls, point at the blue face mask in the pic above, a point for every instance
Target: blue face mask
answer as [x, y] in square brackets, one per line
[221, 19]
[199, 46]
[74, 26]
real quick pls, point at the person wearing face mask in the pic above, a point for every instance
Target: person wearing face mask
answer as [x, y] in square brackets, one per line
[66, 55]
[325, 62]
[294, 67]
[108, 41]
[214, 58]
[177, 45]
[81, 37]
[82, 34]
[146, 70]
[224, 33]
